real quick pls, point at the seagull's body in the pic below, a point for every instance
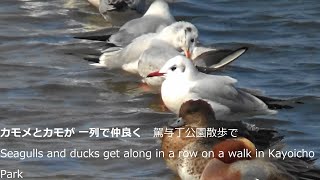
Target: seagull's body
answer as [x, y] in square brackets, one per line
[125, 57]
[153, 59]
[154, 20]
[184, 82]
[219, 91]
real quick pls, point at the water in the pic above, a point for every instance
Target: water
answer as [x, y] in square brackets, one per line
[45, 83]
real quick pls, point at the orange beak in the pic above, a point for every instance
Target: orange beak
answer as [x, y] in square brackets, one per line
[187, 53]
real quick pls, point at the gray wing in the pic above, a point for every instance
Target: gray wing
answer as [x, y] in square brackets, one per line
[222, 90]
[138, 27]
[131, 53]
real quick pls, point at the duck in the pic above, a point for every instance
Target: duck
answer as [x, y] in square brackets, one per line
[198, 114]
[255, 167]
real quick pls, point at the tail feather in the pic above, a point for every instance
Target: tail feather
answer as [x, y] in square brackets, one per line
[110, 45]
[104, 57]
[98, 35]
[92, 59]
[94, 37]
[273, 103]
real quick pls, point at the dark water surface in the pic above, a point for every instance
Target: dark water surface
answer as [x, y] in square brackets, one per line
[45, 83]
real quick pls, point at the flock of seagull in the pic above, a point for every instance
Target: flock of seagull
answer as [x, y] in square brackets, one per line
[166, 53]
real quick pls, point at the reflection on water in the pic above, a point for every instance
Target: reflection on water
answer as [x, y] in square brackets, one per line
[45, 83]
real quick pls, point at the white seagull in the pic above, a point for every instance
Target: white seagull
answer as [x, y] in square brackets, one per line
[205, 59]
[184, 82]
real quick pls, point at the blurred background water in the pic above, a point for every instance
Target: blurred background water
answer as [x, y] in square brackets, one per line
[44, 82]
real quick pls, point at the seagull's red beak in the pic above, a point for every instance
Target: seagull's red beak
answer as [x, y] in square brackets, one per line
[157, 73]
[188, 54]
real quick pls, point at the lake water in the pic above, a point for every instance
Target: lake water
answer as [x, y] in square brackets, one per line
[44, 81]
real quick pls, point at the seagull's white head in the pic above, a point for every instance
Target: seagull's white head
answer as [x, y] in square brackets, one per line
[177, 66]
[182, 35]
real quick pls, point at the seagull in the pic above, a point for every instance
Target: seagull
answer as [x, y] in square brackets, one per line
[119, 12]
[154, 20]
[206, 61]
[179, 36]
[184, 82]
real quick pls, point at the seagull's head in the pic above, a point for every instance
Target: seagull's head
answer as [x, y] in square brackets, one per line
[182, 35]
[177, 66]
[187, 37]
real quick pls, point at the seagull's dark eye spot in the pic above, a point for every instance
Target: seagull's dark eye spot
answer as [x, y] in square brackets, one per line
[173, 68]
[192, 40]
[189, 29]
